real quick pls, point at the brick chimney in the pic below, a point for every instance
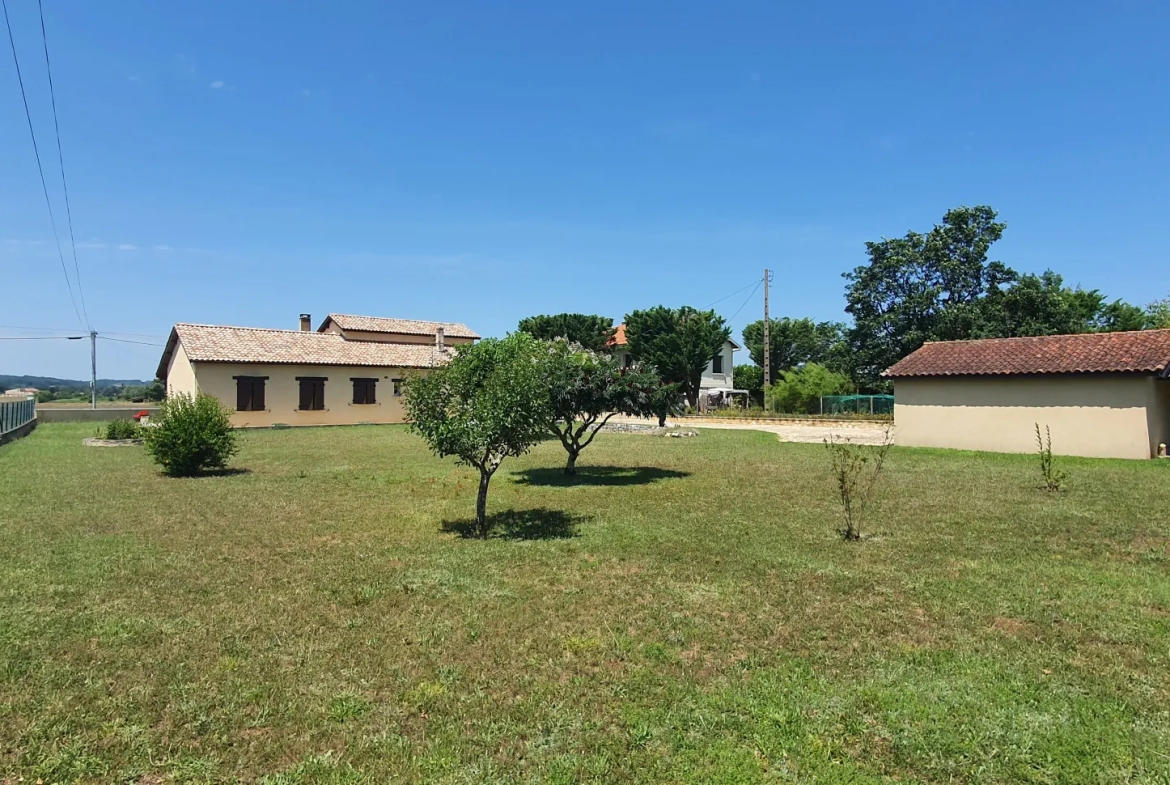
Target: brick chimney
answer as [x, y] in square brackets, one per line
[306, 323]
[439, 344]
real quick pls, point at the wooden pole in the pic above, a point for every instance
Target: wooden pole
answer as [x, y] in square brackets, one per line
[767, 343]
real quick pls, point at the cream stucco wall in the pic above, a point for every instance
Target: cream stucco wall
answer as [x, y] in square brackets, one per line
[1102, 415]
[282, 393]
[180, 373]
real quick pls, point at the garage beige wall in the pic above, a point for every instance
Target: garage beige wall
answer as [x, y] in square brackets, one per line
[180, 373]
[1103, 416]
[282, 393]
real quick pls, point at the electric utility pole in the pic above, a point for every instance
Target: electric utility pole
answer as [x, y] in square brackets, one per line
[767, 341]
[93, 368]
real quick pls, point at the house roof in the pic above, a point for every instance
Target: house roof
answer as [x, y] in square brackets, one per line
[377, 324]
[1145, 351]
[210, 343]
[619, 338]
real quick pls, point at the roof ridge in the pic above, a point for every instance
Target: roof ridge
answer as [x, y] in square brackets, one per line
[1099, 333]
[392, 319]
[257, 329]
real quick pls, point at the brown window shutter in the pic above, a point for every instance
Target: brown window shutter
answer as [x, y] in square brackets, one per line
[306, 395]
[243, 395]
[257, 395]
[371, 385]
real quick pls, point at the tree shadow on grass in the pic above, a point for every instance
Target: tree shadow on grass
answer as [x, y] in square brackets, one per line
[539, 524]
[209, 473]
[597, 475]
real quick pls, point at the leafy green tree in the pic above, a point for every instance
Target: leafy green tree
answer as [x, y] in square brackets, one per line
[1120, 316]
[798, 341]
[490, 402]
[751, 378]
[679, 343]
[1035, 305]
[190, 435]
[666, 401]
[799, 390]
[1158, 315]
[587, 389]
[590, 331]
[155, 391]
[899, 300]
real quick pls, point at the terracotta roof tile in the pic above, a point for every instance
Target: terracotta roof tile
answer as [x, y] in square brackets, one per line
[1147, 351]
[377, 324]
[619, 336]
[210, 343]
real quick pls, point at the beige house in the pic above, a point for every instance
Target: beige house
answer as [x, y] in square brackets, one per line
[719, 373]
[1104, 395]
[350, 370]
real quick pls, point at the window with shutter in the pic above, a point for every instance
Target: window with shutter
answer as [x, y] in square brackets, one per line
[249, 393]
[363, 390]
[717, 363]
[312, 396]
[397, 387]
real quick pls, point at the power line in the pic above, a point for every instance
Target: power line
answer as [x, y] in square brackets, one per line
[40, 168]
[36, 329]
[135, 335]
[41, 338]
[759, 283]
[733, 294]
[61, 161]
[123, 340]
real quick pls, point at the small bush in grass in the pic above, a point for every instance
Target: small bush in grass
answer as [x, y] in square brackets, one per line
[190, 435]
[856, 469]
[1053, 478]
[120, 429]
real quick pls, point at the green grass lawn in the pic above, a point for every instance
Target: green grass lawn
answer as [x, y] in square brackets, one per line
[684, 613]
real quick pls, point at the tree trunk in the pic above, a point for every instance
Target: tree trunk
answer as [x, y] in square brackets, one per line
[481, 504]
[662, 421]
[571, 466]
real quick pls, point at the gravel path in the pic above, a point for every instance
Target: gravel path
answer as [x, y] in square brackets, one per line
[814, 434]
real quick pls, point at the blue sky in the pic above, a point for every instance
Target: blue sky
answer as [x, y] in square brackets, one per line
[239, 163]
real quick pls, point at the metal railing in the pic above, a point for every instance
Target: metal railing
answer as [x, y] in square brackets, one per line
[16, 413]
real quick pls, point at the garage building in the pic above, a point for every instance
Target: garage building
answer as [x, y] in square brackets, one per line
[1103, 395]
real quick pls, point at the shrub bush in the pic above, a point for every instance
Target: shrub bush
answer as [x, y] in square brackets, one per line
[120, 429]
[190, 435]
[799, 389]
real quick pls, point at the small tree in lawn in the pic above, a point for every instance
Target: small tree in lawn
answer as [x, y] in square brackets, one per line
[666, 401]
[491, 401]
[587, 388]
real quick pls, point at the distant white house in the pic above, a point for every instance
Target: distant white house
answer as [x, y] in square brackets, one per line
[718, 375]
[22, 391]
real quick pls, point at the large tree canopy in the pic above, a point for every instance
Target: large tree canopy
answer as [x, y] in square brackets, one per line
[1158, 315]
[898, 300]
[1034, 305]
[489, 402]
[677, 342]
[590, 331]
[798, 341]
[588, 388]
[940, 286]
